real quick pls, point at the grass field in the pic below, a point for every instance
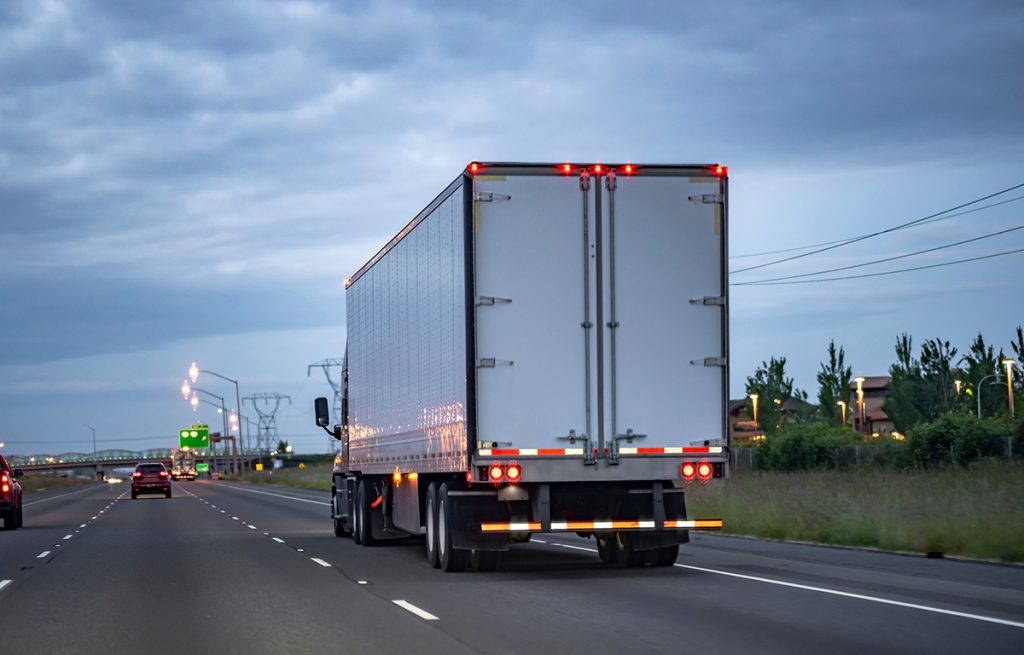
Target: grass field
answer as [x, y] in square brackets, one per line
[31, 483]
[316, 476]
[974, 512]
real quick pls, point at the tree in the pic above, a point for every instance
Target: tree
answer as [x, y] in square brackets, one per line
[1018, 354]
[773, 388]
[833, 383]
[904, 395]
[979, 362]
[938, 374]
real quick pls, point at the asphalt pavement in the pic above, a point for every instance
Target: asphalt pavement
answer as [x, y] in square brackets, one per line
[229, 567]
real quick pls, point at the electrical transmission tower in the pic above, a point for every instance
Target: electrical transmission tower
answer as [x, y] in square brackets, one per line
[266, 405]
[326, 365]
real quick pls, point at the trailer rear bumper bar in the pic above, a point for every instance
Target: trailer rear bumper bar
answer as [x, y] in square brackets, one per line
[594, 526]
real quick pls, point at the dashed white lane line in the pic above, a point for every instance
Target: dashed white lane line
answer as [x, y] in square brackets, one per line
[360, 581]
[234, 518]
[280, 541]
[82, 526]
[835, 592]
[320, 561]
[94, 518]
[42, 554]
[67, 536]
[423, 614]
[268, 493]
[4, 583]
[252, 527]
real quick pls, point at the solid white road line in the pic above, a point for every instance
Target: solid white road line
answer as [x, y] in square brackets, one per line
[42, 554]
[847, 594]
[836, 592]
[280, 541]
[320, 561]
[4, 583]
[268, 493]
[423, 614]
[46, 500]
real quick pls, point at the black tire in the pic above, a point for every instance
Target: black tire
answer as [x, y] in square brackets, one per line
[484, 560]
[168, 494]
[664, 556]
[339, 526]
[10, 519]
[451, 559]
[21, 518]
[606, 549]
[357, 529]
[430, 512]
[364, 511]
[626, 554]
[134, 495]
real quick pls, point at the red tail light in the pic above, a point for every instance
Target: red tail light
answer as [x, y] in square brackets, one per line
[689, 470]
[163, 474]
[513, 473]
[5, 484]
[496, 472]
[137, 474]
[704, 471]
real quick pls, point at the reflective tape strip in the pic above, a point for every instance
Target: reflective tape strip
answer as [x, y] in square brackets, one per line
[673, 450]
[602, 525]
[377, 502]
[698, 524]
[529, 452]
[509, 527]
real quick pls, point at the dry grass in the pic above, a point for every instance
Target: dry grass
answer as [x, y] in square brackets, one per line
[974, 512]
[33, 483]
[316, 476]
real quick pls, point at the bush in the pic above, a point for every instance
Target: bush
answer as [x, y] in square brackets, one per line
[955, 439]
[804, 446]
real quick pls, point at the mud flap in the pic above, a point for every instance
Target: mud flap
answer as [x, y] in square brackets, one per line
[471, 511]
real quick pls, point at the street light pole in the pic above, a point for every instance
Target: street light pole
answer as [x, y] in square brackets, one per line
[95, 460]
[980, 383]
[1009, 364]
[194, 371]
[753, 398]
[860, 402]
[842, 403]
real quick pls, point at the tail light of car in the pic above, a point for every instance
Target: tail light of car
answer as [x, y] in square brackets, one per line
[5, 483]
[163, 474]
[136, 475]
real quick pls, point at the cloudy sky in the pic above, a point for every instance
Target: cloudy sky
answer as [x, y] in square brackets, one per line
[188, 181]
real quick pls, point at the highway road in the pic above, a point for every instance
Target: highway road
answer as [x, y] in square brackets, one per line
[234, 568]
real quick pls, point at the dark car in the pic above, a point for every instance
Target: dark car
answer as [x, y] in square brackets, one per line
[10, 496]
[151, 479]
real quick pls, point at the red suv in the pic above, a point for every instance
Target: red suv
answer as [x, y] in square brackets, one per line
[10, 495]
[151, 479]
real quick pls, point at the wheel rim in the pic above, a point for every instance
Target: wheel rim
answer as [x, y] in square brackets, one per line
[442, 529]
[430, 530]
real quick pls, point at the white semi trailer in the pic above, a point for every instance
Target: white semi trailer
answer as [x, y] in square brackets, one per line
[543, 348]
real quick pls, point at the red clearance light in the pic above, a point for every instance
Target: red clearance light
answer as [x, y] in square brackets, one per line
[704, 471]
[565, 168]
[598, 168]
[474, 167]
[628, 168]
[688, 470]
[469, 476]
[720, 171]
[514, 472]
[496, 472]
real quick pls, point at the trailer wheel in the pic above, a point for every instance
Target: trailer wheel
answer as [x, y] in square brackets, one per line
[431, 520]
[484, 560]
[606, 549]
[364, 524]
[451, 559]
[665, 556]
[626, 554]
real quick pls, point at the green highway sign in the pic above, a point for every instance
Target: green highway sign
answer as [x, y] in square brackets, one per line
[202, 467]
[198, 436]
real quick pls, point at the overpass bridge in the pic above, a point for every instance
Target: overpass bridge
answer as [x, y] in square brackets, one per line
[105, 460]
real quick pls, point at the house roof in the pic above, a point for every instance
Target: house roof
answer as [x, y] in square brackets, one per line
[873, 382]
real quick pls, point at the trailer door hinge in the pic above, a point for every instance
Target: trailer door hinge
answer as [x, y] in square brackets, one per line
[708, 300]
[490, 362]
[708, 361]
[707, 198]
[482, 301]
[487, 196]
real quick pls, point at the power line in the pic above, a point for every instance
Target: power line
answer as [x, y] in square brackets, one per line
[883, 260]
[880, 232]
[829, 243]
[899, 270]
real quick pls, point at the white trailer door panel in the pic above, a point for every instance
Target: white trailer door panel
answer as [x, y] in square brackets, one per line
[667, 252]
[529, 252]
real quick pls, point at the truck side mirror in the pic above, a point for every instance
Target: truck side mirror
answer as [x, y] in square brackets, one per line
[323, 416]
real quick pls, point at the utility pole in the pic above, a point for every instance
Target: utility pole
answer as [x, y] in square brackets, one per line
[326, 365]
[266, 406]
[95, 460]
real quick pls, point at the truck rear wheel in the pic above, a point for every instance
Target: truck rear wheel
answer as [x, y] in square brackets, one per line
[606, 550]
[364, 520]
[626, 554]
[665, 556]
[430, 512]
[484, 560]
[451, 559]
